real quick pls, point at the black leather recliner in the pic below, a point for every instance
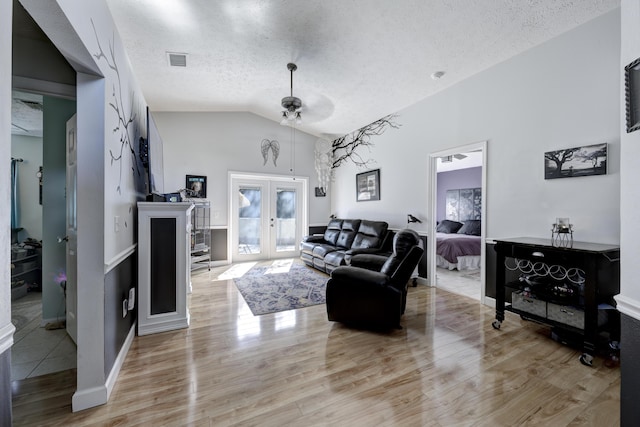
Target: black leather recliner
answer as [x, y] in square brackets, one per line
[364, 294]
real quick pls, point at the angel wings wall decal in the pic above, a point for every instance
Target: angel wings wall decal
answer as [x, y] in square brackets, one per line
[267, 145]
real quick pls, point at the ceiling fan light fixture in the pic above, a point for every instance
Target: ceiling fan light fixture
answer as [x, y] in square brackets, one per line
[291, 104]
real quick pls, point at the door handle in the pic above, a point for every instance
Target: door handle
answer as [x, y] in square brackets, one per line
[63, 239]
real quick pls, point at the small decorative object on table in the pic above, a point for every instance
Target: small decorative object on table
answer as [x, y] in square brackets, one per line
[562, 233]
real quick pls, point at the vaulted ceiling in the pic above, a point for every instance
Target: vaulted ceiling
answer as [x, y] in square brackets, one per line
[358, 60]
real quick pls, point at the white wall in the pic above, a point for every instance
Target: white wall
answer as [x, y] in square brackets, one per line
[561, 94]
[629, 300]
[212, 144]
[107, 183]
[6, 327]
[29, 149]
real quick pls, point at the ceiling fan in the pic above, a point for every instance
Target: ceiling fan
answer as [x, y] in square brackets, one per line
[292, 105]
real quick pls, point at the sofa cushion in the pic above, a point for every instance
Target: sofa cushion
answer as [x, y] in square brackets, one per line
[370, 234]
[334, 258]
[348, 233]
[321, 250]
[332, 231]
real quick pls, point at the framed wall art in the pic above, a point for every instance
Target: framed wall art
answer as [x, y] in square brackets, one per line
[368, 186]
[196, 186]
[577, 161]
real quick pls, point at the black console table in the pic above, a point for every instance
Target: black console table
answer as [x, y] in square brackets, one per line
[562, 287]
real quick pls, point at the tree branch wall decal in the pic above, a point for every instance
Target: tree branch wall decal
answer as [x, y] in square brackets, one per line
[126, 120]
[346, 147]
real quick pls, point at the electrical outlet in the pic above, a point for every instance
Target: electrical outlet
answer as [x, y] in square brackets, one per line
[116, 223]
[125, 304]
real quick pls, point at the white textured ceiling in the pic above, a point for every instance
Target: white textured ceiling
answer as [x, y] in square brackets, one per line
[26, 114]
[358, 60]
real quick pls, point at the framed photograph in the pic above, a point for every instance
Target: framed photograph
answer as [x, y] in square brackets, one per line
[368, 186]
[632, 95]
[574, 162]
[196, 186]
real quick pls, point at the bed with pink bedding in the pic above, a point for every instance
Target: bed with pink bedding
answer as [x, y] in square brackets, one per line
[458, 251]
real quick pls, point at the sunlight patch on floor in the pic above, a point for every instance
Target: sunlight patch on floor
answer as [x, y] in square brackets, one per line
[236, 270]
[280, 266]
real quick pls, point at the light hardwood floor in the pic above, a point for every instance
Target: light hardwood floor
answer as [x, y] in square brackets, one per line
[446, 367]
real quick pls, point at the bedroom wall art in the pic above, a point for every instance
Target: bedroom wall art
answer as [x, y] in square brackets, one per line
[464, 204]
[578, 161]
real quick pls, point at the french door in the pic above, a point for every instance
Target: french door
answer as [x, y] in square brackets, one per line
[268, 218]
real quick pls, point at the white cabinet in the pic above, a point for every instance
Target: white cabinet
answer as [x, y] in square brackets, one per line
[164, 273]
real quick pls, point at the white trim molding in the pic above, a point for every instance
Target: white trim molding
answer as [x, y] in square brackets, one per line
[116, 260]
[6, 337]
[628, 306]
[89, 398]
[117, 366]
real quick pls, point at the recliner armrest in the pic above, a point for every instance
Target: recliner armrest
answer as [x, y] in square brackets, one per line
[356, 276]
[314, 238]
[372, 262]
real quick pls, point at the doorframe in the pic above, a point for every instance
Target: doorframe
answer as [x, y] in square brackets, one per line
[233, 176]
[431, 217]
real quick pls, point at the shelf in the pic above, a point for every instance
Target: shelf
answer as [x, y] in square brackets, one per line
[25, 272]
[200, 235]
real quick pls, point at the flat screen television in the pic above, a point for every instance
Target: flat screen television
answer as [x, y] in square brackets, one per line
[155, 168]
[632, 95]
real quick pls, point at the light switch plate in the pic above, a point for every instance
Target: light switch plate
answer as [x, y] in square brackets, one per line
[132, 298]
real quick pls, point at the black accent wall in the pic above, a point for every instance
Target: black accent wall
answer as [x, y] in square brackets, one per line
[116, 328]
[629, 371]
[218, 244]
[5, 388]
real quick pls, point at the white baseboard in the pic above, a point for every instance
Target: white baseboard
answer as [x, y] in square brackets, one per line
[491, 302]
[6, 337]
[628, 306]
[99, 395]
[117, 365]
[89, 398]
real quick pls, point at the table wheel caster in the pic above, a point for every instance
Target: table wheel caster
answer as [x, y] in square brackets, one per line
[586, 359]
[496, 324]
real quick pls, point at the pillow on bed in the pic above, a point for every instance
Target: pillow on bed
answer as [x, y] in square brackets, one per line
[471, 227]
[448, 226]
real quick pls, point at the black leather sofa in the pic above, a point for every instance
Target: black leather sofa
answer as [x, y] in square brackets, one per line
[343, 239]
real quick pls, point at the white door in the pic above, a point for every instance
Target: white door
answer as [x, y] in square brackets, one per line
[267, 218]
[72, 231]
[285, 218]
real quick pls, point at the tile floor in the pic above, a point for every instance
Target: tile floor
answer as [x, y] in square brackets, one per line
[465, 283]
[36, 350]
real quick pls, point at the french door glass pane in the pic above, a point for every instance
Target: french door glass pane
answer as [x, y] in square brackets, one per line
[285, 220]
[250, 220]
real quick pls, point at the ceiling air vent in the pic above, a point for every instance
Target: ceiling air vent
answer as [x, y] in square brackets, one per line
[177, 59]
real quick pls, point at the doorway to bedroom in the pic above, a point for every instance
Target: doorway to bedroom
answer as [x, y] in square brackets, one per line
[457, 198]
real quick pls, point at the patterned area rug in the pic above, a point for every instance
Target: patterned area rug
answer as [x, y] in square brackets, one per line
[280, 286]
